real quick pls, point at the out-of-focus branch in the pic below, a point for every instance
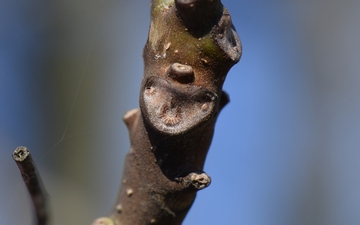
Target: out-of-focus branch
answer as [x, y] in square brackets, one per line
[33, 182]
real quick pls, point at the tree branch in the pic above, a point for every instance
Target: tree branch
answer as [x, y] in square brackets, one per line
[192, 45]
[33, 182]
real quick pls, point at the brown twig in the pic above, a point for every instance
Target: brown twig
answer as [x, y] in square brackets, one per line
[32, 180]
[192, 45]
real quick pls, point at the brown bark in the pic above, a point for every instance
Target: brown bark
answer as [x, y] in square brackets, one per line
[192, 45]
[33, 183]
[190, 48]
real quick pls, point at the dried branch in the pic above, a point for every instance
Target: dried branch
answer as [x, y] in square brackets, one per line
[192, 45]
[33, 182]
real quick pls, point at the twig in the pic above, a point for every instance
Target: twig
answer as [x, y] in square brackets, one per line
[192, 45]
[32, 180]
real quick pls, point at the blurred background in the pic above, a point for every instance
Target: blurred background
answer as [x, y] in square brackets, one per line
[286, 148]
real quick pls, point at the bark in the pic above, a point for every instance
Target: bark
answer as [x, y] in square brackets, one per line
[32, 180]
[192, 44]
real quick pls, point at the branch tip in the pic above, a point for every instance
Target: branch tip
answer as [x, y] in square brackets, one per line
[20, 153]
[32, 180]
